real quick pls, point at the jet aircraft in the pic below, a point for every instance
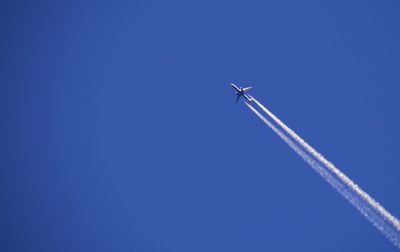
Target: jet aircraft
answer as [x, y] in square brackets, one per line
[240, 91]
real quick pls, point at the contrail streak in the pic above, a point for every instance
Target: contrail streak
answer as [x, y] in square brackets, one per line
[368, 207]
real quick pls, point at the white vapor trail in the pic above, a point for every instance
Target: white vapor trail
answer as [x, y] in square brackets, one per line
[368, 207]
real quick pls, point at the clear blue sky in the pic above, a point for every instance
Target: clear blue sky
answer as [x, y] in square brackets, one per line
[119, 131]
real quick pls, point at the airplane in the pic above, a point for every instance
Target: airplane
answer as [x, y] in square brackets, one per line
[240, 91]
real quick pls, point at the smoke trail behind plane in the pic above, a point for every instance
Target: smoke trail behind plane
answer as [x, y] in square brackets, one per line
[395, 222]
[368, 207]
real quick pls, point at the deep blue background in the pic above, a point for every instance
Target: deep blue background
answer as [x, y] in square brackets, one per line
[119, 131]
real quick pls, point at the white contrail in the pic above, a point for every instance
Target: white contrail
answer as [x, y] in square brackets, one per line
[389, 226]
[332, 168]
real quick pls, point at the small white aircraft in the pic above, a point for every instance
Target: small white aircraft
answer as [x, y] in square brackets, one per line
[240, 91]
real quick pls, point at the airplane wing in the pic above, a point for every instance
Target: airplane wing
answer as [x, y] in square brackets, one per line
[237, 98]
[246, 89]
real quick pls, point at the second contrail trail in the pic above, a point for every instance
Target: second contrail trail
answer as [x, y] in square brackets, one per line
[368, 207]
